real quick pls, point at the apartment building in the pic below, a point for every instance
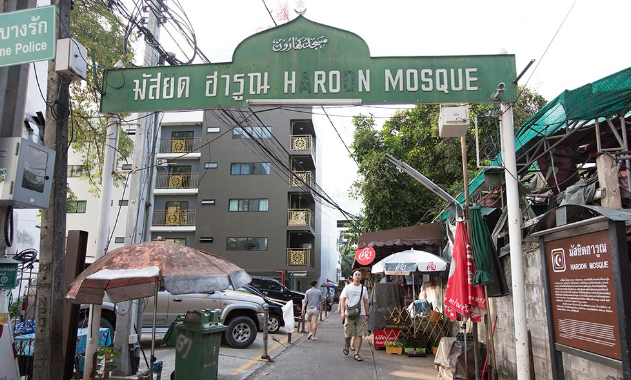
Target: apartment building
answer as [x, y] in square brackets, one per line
[243, 186]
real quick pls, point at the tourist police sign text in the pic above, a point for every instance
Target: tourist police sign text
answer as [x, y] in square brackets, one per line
[28, 35]
[304, 60]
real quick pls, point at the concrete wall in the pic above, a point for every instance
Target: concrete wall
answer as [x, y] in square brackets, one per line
[575, 368]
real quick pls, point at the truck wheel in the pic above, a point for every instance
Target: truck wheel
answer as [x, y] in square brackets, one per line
[84, 320]
[241, 332]
[273, 325]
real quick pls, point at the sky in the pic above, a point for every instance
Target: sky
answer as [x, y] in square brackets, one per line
[584, 40]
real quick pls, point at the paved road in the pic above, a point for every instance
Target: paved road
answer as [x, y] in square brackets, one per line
[323, 360]
[233, 363]
[307, 359]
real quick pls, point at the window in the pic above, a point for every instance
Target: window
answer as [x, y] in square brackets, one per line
[271, 285]
[119, 240]
[210, 165]
[76, 207]
[76, 170]
[252, 205]
[180, 241]
[172, 206]
[256, 132]
[182, 134]
[250, 168]
[126, 167]
[206, 239]
[123, 202]
[213, 129]
[208, 202]
[246, 244]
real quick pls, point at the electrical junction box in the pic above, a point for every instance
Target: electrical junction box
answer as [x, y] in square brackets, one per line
[71, 60]
[26, 173]
[453, 121]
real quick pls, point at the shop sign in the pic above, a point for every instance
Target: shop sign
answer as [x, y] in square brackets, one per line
[365, 255]
[582, 289]
[309, 63]
[383, 336]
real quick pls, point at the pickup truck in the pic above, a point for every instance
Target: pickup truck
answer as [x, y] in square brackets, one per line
[241, 312]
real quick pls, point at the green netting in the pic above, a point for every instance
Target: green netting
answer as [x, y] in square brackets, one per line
[606, 97]
[609, 96]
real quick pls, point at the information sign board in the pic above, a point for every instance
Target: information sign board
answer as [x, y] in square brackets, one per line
[28, 35]
[582, 292]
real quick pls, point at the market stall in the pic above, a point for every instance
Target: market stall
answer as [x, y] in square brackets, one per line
[399, 315]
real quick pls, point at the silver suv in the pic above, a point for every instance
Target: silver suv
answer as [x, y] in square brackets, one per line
[241, 312]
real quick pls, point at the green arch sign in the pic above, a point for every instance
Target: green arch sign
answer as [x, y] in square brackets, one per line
[303, 62]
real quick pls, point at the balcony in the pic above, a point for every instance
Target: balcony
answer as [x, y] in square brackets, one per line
[300, 257]
[301, 179]
[177, 148]
[302, 143]
[300, 217]
[177, 184]
[173, 221]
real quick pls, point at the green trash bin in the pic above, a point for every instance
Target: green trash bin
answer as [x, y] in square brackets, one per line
[197, 343]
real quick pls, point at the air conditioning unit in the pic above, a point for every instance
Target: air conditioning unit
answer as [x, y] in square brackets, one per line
[453, 121]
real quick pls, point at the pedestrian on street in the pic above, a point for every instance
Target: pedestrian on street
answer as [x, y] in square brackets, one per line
[354, 296]
[339, 309]
[313, 305]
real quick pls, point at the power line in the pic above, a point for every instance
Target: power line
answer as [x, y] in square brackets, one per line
[338, 135]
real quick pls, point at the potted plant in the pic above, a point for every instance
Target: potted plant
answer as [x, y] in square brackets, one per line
[394, 348]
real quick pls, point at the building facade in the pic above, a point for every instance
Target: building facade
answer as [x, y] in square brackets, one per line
[243, 187]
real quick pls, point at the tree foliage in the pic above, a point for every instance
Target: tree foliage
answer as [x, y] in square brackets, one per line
[393, 199]
[96, 28]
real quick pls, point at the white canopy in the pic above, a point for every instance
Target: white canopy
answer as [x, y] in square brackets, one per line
[424, 261]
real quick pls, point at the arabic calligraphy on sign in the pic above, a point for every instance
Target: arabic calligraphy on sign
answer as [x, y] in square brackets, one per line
[299, 43]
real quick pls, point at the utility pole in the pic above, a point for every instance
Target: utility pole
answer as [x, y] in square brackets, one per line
[107, 182]
[129, 321]
[514, 232]
[48, 357]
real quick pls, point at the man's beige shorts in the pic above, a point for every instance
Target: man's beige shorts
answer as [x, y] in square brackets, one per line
[354, 327]
[311, 313]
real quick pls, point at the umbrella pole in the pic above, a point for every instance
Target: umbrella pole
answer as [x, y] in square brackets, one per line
[413, 288]
[466, 362]
[153, 329]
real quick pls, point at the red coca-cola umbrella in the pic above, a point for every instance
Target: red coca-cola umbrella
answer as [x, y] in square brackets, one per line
[461, 296]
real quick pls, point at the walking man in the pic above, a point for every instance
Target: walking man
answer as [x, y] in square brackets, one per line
[354, 296]
[313, 305]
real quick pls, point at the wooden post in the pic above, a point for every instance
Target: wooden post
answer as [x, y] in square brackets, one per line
[607, 168]
[50, 282]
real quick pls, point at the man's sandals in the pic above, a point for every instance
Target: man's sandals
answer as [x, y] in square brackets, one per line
[345, 351]
[358, 358]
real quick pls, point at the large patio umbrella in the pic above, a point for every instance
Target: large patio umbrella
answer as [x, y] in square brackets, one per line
[462, 297]
[420, 261]
[412, 261]
[135, 271]
[130, 272]
[488, 270]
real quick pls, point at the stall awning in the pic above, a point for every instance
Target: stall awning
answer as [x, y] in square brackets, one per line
[426, 237]
[413, 235]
